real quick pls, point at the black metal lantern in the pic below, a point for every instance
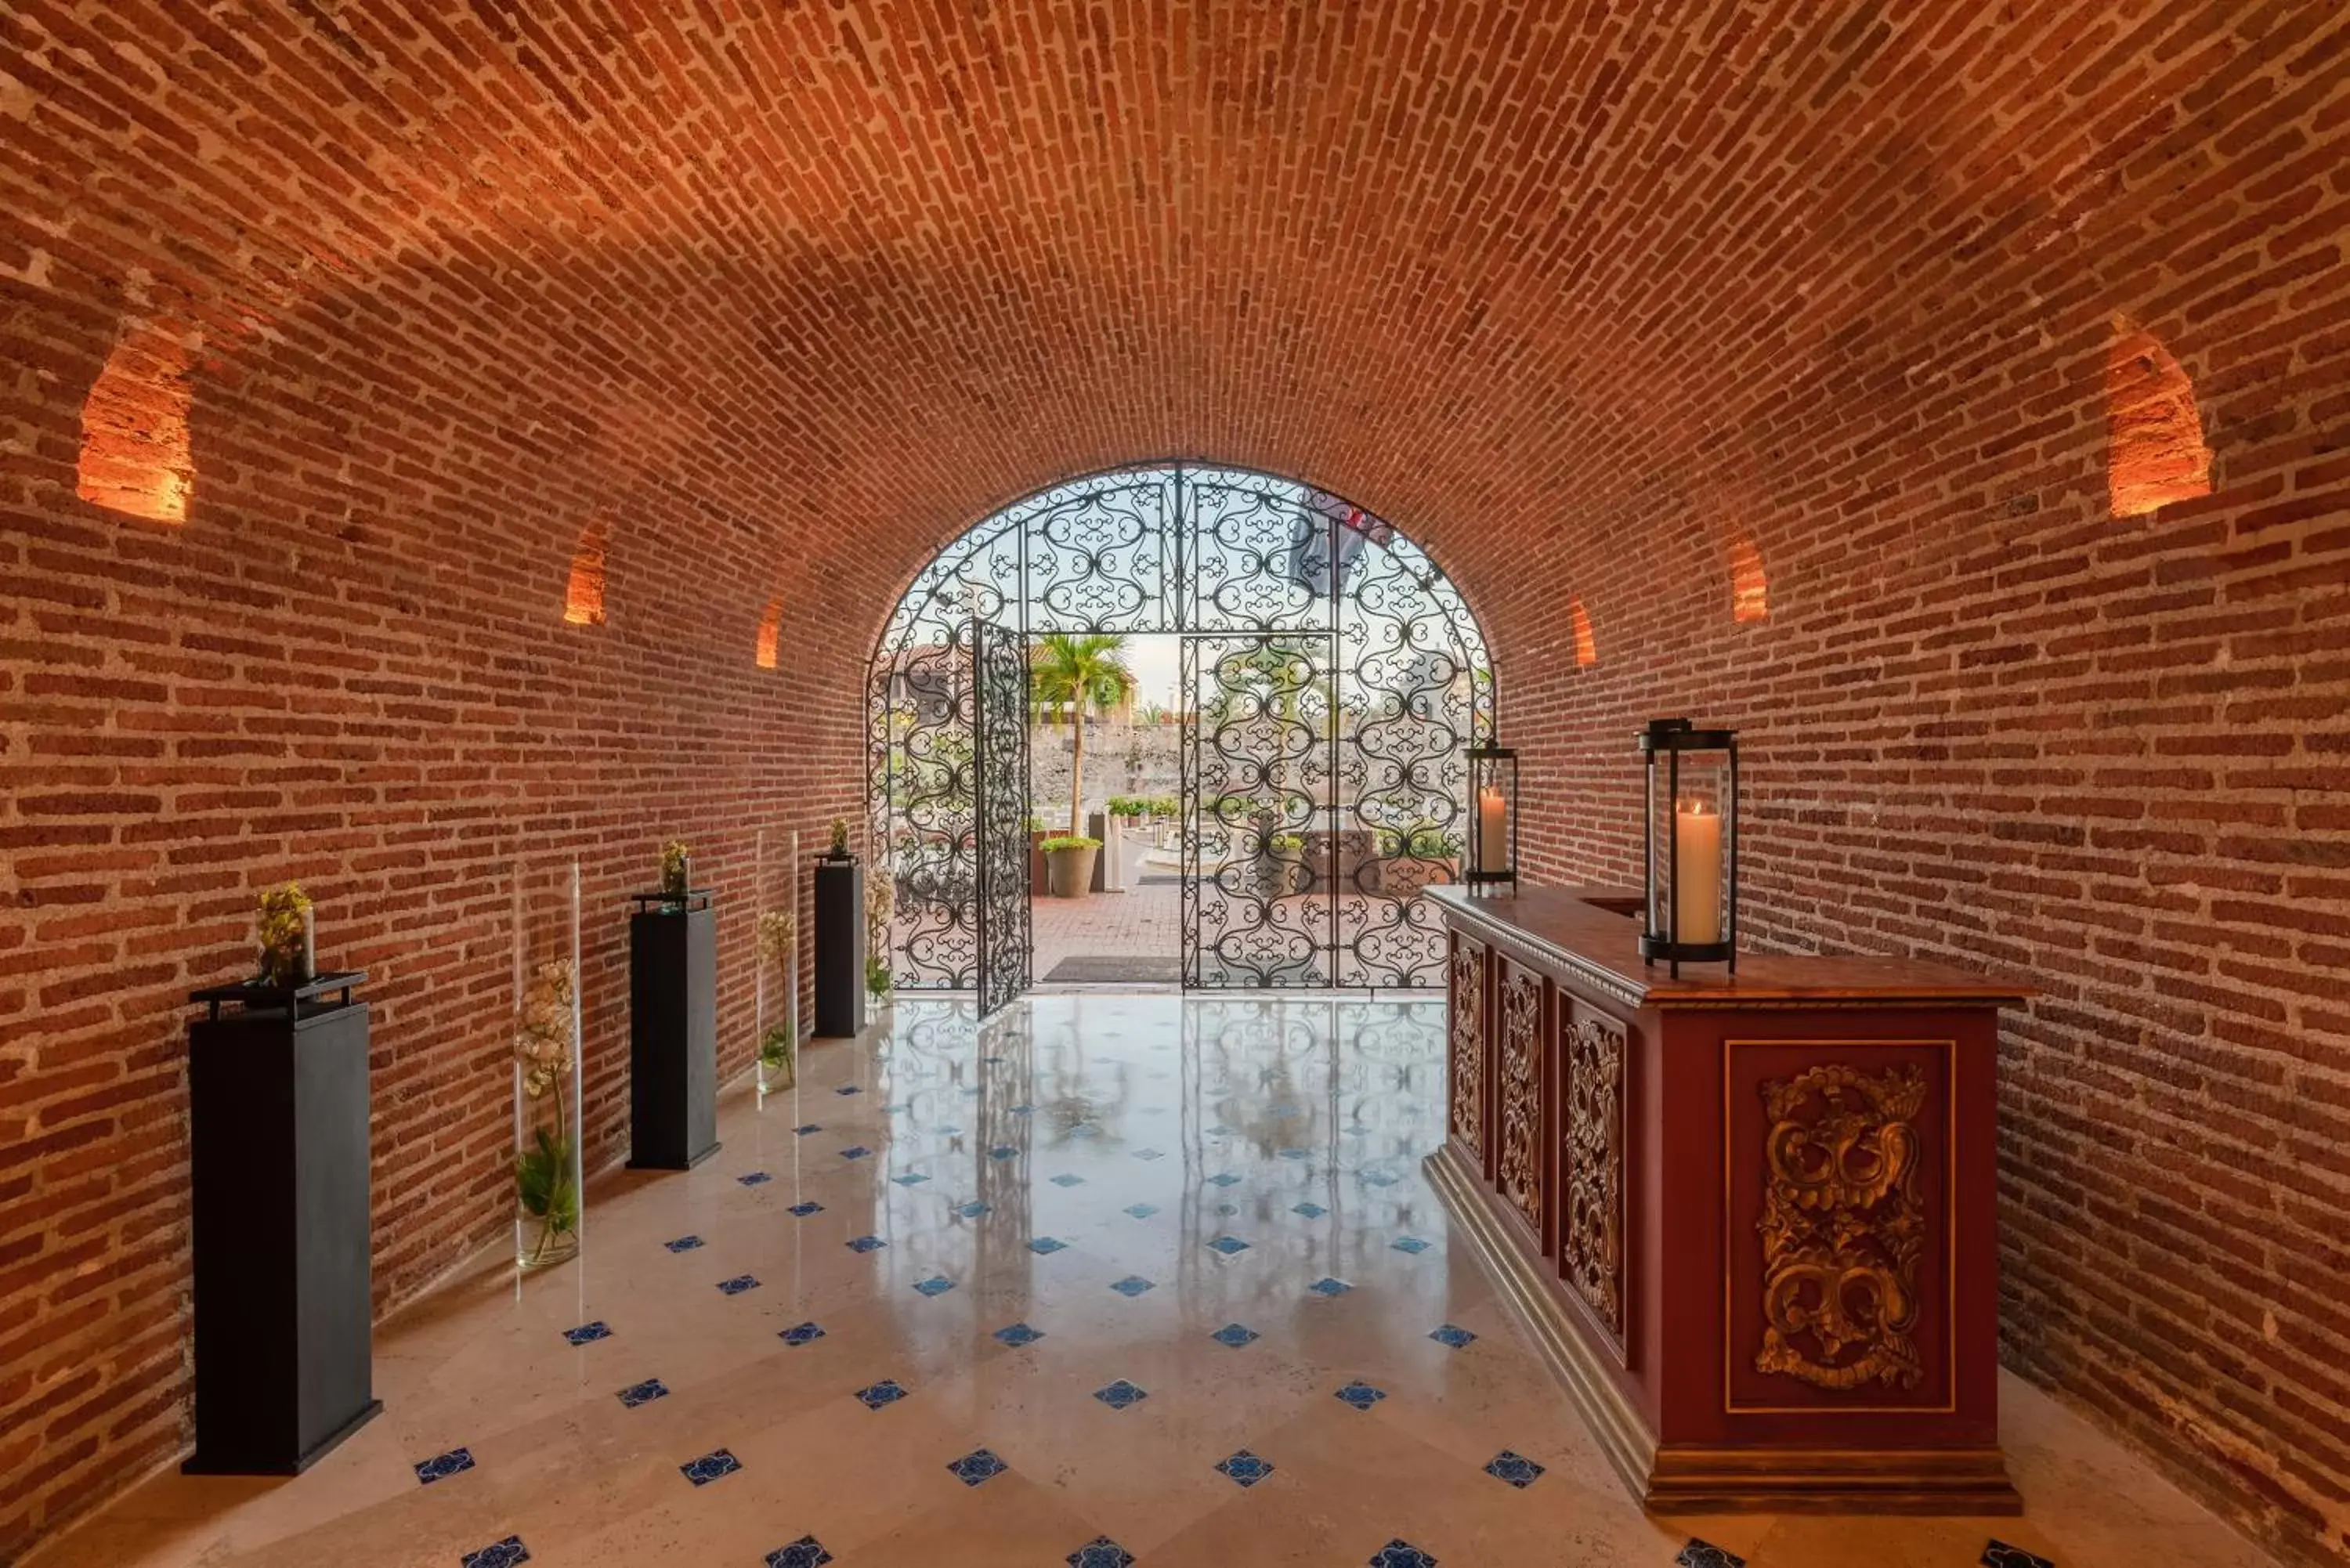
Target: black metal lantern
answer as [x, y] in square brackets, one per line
[1492, 860]
[1691, 908]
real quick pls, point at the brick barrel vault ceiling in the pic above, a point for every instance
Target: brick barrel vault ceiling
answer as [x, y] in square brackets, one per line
[778, 298]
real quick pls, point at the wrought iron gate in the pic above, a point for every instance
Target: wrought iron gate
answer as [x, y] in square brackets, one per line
[1258, 767]
[1331, 677]
[999, 715]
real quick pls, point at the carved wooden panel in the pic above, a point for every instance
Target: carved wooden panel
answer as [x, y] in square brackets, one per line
[1518, 1065]
[1842, 1227]
[1467, 1046]
[1592, 1224]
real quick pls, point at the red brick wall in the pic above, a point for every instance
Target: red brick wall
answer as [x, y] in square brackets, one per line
[1585, 296]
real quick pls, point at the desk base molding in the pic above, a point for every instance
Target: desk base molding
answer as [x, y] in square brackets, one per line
[1706, 1481]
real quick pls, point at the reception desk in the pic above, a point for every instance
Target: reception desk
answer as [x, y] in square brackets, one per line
[1752, 1219]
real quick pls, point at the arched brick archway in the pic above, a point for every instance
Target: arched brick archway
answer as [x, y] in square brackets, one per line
[1333, 680]
[521, 358]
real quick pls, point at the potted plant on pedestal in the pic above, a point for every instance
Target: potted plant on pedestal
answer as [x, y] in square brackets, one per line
[1069, 865]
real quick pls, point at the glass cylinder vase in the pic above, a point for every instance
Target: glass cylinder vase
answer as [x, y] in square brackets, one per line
[547, 1174]
[777, 994]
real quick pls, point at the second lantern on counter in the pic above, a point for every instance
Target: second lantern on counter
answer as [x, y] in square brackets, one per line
[1690, 911]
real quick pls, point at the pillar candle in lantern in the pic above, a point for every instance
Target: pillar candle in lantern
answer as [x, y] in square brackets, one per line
[1696, 874]
[1493, 831]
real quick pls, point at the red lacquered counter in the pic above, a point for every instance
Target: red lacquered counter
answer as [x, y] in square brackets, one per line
[1752, 1217]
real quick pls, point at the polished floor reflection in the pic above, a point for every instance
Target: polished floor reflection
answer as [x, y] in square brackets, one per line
[1120, 1279]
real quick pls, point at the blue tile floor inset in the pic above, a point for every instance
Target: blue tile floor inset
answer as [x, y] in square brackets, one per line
[1066, 1180]
[1402, 1554]
[1412, 1244]
[973, 1209]
[866, 1243]
[1329, 1287]
[911, 1178]
[802, 1211]
[755, 1178]
[684, 1244]
[1515, 1468]
[859, 1152]
[1018, 1334]
[1453, 1338]
[1045, 1246]
[441, 1466]
[886, 1392]
[1141, 1211]
[1705, 1554]
[1998, 1553]
[1235, 1336]
[1120, 1395]
[936, 1285]
[1225, 1179]
[1132, 1285]
[1229, 1246]
[644, 1393]
[589, 1332]
[800, 1334]
[738, 1284]
[1311, 1211]
[1245, 1468]
[806, 1553]
[1361, 1396]
[709, 1467]
[1101, 1551]
[976, 1467]
[498, 1554]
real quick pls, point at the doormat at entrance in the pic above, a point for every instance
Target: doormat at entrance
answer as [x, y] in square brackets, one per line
[1115, 969]
[1153, 879]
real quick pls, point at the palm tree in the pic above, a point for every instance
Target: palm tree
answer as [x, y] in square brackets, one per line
[1088, 673]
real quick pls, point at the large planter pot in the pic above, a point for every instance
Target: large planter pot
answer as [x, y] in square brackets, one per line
[1069, 873]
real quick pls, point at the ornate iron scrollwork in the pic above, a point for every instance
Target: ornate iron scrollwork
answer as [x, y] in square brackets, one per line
[1000, 665]
[1399, 685]
[1591, 1229]
[1467, 1045]
[1519, 1158]
[1842, 1225]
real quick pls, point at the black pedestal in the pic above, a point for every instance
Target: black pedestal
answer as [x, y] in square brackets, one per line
[672, 1032]
[839, 948]
[278, 1114]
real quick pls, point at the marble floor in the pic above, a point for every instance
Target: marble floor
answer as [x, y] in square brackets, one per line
[1126, 1279]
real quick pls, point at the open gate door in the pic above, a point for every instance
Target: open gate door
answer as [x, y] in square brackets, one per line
[1000, 768]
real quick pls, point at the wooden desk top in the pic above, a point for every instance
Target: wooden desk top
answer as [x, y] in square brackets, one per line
[1594, 933]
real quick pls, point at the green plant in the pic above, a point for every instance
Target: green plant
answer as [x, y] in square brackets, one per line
[545, 1179]
[775, 1050]
[876, 974]
[1425, 844]
[1085, 673]
[1166, 806]
[840, 838]
[1127, 806]
[1070, 841]
[1035, 823]
[673, 866]
[543, 1183]
[1287, 844]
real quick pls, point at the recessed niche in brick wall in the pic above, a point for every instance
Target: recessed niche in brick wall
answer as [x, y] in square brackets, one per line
[135, 457]
[2155, 452]
[583, 597]
[1749, 586]
[1587, 646]
[770, 626]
